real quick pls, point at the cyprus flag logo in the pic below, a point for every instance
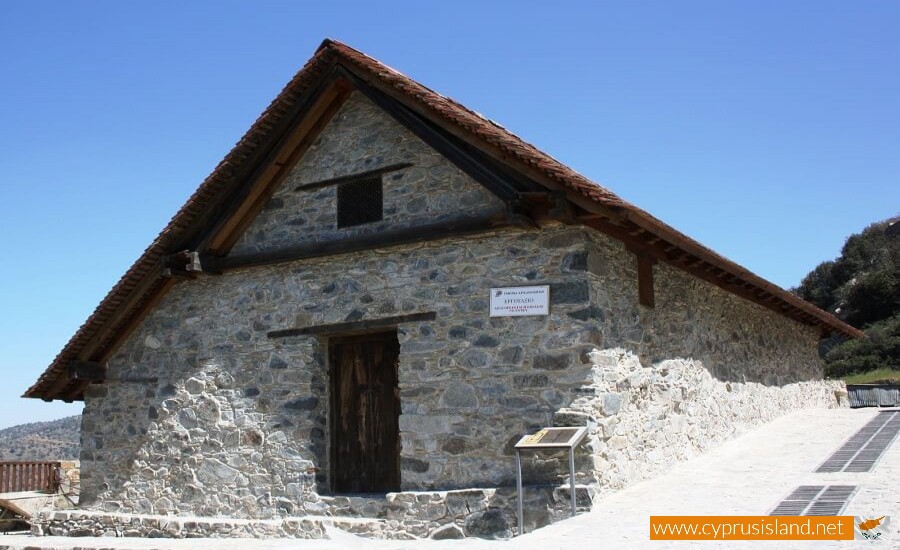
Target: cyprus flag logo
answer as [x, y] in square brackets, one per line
[871, 528]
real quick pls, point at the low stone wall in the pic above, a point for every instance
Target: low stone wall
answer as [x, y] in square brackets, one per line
[84, 523]
[642, 420]
[484, 513]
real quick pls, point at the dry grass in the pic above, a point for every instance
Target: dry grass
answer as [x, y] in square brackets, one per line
[875, 376]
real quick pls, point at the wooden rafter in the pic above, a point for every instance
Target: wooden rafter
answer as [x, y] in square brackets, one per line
[352, 177]
[707, 272]
[350, 327]
[645, 280]
[391, 237]
[270, 174]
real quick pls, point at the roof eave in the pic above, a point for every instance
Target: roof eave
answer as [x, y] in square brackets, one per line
[478, 129]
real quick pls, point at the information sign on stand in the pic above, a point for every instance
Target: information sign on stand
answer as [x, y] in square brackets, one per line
[548, 438]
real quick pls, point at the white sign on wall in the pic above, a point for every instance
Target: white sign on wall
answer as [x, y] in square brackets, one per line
[518, 301]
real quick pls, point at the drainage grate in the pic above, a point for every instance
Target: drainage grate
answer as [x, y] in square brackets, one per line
[815, 500]
[805, 492]
[790, 508]
[862, 451]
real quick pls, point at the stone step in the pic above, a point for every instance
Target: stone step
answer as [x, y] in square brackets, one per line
[373, 528]
[485, 513]
[86, 523]
[83, 523]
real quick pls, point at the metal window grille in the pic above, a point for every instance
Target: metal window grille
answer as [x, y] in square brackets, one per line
[359, 202]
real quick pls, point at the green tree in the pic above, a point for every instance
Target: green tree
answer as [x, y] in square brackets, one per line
[861, 287]
[879, 351]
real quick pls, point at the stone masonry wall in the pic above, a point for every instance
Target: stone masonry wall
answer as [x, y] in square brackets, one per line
[362, 137]
[734, 338]
[237, 423]
[643, 419]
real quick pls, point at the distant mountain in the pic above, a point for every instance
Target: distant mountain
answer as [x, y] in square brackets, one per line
[54, 440]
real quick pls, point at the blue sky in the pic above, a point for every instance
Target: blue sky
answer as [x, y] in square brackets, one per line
[769, 131]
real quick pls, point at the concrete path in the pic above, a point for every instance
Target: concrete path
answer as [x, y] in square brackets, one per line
[747, 476]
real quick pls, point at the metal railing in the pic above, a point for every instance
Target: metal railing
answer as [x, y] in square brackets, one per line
[29, 476]
[873, 395]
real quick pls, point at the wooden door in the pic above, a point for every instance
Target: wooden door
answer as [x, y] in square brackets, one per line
[365, 408]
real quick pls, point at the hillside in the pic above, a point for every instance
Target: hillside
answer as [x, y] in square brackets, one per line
[862, 287]
[54, 440]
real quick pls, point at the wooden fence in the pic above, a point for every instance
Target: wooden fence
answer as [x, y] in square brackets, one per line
[28, 476]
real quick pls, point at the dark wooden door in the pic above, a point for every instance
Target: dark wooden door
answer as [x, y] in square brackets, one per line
[365, 408]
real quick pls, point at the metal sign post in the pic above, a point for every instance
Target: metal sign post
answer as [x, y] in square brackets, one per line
[548, 438]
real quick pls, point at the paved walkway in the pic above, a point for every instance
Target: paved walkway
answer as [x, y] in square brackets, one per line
[747, 476]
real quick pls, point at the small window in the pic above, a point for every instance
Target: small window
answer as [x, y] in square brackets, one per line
[359, 202]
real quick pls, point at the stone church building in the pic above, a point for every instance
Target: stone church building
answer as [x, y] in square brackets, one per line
[312, 335]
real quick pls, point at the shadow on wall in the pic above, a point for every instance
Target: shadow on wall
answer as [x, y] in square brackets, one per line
[729, 343]
[736, 340]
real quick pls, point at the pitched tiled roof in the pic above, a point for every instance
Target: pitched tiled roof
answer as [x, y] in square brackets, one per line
[142, 282]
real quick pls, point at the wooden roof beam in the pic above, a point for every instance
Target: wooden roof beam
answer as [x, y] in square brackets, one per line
[270, 172]
[707, 272]
[393, 237]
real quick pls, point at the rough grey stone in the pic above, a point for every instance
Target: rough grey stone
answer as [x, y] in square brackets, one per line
[531, 381]
[208, 409]
[459, 395]
[355, 315]
[588, 313]
[414, 465]
[213, 471]
[551, 362]
[446, 532]
[188, 418]
[518, 401]
[569, 292]
[567, 417]
[488, 524]
[303, 403]
[458, 332]
[512, 355]
[476, 358]
[610, 403]
[485, 341]
[194, 386]
[454, 446]
[575, 261]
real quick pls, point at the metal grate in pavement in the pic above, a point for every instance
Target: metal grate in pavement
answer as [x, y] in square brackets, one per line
[790, 508]
[837, 492]
[805, 492]
[862, 451]
[815, 500]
